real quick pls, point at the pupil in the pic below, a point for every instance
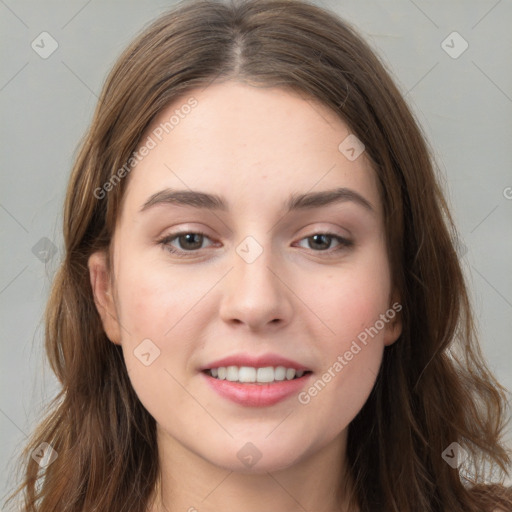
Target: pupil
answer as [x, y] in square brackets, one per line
[324, 237]
[189, 239]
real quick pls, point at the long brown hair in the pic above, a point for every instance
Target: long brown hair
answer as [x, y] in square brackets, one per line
[433, 389]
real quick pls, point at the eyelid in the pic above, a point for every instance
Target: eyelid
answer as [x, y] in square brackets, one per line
[343, 242]
[166, 239]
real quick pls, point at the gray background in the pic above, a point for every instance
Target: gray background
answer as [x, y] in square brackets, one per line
[464, 105]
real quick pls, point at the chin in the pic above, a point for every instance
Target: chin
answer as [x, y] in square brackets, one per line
[272, 464]
[257, 457]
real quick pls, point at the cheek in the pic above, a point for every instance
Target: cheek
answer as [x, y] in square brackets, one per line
[351, 299]
[163, 312]
[154, 311]
[154, 302]
[352, 303]
[351, 359]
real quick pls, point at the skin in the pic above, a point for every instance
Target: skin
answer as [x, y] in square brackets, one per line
[255, 147]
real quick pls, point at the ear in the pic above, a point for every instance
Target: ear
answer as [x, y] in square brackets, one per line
[103, 295]
[394, 325]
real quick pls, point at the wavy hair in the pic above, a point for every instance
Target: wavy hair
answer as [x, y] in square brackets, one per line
[433, 388]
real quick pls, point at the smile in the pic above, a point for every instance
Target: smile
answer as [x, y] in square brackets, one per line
[251, 374]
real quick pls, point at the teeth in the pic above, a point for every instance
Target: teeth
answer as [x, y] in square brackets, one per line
[232, 373]
[265, 374]
[290, 373]
[280, 373]
[246, 374]
[251, 374]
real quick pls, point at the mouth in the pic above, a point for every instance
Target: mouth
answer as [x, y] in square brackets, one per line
[256, 386]
[256, 380]
[255, 375]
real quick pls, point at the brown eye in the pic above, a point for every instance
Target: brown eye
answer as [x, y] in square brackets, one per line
[190, 241]
[184, 242]
[323, 242]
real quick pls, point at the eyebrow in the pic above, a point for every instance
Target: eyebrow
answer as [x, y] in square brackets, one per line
[203, 200]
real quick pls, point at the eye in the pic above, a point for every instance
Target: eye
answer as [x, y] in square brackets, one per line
[321, 242]
[188, 241]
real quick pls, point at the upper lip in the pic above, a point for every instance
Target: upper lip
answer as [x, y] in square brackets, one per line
[260, 361]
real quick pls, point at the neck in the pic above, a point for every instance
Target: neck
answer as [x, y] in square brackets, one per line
[188, 482]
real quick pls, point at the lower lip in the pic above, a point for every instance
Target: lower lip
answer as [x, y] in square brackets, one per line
[257, 395]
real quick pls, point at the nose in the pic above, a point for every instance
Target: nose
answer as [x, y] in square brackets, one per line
[256, 294]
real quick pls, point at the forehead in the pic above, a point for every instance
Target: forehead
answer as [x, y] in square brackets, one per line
[248, 143]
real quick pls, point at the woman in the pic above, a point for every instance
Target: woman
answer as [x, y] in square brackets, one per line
[260, 305]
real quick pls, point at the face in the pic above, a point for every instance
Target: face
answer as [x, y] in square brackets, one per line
[250, 246]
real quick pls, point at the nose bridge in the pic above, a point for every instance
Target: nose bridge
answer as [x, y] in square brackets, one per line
[254, 294]
[252, 263]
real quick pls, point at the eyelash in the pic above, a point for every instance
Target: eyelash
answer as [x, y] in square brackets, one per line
[166, 240]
